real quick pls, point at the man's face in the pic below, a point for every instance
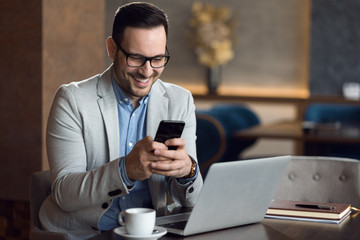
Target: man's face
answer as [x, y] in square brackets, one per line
[136, 82]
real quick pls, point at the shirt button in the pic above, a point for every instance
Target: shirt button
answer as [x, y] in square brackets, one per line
[126, 99]
[130, 144]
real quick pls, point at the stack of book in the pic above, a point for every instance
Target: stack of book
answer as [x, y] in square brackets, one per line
[308, 211]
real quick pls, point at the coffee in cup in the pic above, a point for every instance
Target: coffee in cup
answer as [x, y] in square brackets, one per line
[138, 221]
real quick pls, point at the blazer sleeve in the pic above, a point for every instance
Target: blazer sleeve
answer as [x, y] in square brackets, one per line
[187, 195]
[78, 170]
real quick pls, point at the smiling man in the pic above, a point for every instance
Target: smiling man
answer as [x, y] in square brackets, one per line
[101, 151]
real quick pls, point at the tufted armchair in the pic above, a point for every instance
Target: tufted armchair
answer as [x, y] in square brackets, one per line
[235, 117]
[40, 188]
[211, 140]
[215, 128]
[321, 179]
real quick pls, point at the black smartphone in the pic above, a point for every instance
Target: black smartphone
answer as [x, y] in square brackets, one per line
[169, 129]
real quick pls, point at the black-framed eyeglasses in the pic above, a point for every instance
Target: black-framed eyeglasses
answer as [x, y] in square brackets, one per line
[138, 60]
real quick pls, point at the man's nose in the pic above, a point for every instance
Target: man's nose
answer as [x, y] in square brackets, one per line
[147, 69]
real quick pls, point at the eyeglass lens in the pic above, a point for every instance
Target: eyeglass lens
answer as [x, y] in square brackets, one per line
[138, 61]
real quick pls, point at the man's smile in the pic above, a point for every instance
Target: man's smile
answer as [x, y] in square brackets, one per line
[142, 82]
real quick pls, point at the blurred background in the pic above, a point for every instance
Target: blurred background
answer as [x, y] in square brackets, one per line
[284, 52]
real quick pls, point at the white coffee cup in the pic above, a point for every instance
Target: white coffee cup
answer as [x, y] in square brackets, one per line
[138, 221]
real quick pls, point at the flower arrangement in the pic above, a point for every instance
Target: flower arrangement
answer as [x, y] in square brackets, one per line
[212, 34]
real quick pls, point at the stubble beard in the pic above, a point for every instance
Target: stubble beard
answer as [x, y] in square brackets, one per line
[125, 81]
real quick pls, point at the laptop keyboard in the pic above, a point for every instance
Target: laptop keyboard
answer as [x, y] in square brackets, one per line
[176, 225]
[172, 218]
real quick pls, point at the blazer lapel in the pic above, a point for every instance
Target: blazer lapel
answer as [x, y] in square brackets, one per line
[157, 111]
[108, 107]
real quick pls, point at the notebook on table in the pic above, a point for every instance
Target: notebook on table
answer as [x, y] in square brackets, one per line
[308, 211]
[234, 193]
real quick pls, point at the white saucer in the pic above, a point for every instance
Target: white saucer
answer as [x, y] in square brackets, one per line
[158, 232]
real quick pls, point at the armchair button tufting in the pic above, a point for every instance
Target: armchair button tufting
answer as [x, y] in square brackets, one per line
[316, 177]
[291, 176]
[342, 178]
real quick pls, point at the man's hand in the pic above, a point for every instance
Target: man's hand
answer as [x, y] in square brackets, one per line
[149, 157]
[138, 161]
[176, 163]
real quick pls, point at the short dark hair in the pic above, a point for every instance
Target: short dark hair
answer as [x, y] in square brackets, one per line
[138, 15]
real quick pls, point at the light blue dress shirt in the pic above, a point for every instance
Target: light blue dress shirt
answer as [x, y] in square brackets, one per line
[132, 128]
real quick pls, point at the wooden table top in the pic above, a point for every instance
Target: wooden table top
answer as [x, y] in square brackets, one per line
[269, 229]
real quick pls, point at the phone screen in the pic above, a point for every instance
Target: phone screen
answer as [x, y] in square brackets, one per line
[169, 129]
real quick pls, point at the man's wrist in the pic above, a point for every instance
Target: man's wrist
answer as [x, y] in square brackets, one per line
[192, 170]
[128, 182]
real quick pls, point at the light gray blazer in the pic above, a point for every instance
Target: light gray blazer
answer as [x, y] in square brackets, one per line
[83, 152]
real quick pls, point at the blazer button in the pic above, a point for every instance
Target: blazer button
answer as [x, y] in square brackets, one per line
[105, 205]
[191, 190]
[114, 193]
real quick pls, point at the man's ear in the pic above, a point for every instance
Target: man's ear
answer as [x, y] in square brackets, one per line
[111, 48]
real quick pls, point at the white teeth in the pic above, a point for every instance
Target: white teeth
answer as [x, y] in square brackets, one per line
[142, 80]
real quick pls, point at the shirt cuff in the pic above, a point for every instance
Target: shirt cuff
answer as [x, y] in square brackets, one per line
[187, 181]
[123, 173]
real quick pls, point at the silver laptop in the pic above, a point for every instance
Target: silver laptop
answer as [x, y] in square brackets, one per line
[234, 193]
